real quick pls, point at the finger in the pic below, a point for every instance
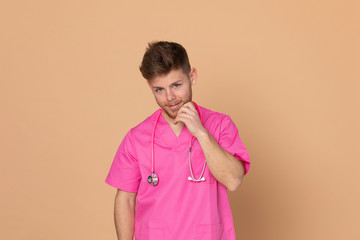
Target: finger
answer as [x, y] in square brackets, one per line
[184, 115]
[185, 118]
[190, 105]
[186, 110]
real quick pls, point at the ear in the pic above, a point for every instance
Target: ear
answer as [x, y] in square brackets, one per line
[193, 76]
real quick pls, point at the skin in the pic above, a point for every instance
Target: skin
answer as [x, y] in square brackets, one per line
[124, 214]
[173, 93]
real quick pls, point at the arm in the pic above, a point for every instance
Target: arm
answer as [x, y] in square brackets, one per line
[227, 169]
[124, 214]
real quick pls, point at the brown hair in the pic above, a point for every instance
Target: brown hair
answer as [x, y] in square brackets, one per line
[162, 57]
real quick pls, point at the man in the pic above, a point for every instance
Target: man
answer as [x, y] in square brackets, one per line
[173, 170]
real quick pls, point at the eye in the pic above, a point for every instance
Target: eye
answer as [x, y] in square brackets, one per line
[158, 90]
[177, 85]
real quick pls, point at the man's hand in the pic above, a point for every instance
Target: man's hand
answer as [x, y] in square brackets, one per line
[190, 117]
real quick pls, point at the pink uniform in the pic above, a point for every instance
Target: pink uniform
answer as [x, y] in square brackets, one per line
[176, 209]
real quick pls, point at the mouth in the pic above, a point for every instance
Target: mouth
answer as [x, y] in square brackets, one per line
[175, 106]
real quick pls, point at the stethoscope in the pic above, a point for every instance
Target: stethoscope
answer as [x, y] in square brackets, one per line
[153, 179]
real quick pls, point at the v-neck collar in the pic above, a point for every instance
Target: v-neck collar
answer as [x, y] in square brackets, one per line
[169, 136]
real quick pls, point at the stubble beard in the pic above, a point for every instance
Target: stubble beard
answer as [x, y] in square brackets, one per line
[173, 115]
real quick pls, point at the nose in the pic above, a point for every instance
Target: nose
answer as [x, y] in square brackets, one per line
[170, 95]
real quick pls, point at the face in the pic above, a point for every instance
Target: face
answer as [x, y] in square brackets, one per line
[173, 90]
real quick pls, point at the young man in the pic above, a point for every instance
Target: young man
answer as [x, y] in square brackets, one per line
[173, 170]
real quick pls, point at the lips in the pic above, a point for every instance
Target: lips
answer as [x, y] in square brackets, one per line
[175, 106]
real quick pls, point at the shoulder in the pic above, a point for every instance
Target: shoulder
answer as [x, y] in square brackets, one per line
[212, 117]
[215, 122]
[145, 127]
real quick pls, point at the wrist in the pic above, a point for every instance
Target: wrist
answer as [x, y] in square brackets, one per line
[202, 134]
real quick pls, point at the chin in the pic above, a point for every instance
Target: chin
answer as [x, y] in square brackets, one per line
[171, 114]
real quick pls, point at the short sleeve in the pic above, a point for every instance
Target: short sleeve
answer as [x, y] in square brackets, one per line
[230, 141]
[124, 172]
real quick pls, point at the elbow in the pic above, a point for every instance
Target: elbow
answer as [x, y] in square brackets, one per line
[236, 179]
[235, 184]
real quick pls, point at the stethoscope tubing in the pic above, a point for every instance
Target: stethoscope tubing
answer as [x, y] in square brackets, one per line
[192, 178]
[152, 141]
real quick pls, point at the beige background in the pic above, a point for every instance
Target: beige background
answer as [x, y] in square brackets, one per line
[286, 71]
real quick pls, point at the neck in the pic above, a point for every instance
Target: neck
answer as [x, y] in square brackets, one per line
[171, 121]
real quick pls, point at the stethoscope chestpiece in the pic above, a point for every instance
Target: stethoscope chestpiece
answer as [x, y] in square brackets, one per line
[153, 179]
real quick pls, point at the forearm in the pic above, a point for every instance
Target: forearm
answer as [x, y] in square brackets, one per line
[124, 214]
[223, 166]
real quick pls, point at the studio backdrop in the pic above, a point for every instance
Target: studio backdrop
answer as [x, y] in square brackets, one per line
[287, 72]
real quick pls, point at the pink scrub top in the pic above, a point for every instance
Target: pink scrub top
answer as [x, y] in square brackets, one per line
[176, 209]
